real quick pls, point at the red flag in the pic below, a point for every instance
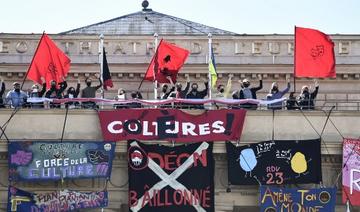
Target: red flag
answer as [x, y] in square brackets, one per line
[167, 61]
[48, 62]
[314, 54]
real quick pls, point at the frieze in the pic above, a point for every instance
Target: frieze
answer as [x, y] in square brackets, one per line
[144, 47]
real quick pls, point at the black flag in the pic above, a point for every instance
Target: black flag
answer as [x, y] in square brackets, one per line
[106, 76]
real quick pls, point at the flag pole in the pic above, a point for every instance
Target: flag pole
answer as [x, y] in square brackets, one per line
[32, 60]
[294, 59]
[209, 74]
[101, 61]
[155, 80]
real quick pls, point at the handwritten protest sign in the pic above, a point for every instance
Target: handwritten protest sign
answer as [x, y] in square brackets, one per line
[32, 161]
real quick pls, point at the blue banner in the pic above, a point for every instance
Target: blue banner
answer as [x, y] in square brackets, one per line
[64, 200]
[35, 161]
[274, 199]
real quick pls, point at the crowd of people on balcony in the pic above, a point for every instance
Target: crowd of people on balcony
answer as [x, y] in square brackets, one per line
[16, 98]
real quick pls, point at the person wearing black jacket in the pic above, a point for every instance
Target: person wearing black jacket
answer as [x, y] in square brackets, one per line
[195, 94]
[2, 91]
[306, 98]
[72, 93]
[248, 93]
[55, 93]
[179, 93]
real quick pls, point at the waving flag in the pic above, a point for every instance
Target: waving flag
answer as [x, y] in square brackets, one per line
[48, 62]
[167, 61]
[106, 76]
[314, 54]
[212, 69]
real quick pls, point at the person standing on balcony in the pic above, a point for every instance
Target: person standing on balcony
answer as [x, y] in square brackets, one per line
[2, 91]
[165, 89]
[35, 92]
[16, 98]
[248, 93]
[306, 98]
[195, 94]
[222, 91]
[72, 93]
[274, 94]
[90, 92]
[291, 102]
[55, 93]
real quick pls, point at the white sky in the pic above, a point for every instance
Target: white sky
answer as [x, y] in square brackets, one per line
[240, 16]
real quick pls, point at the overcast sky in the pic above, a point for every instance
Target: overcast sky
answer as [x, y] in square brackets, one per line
[240, 16]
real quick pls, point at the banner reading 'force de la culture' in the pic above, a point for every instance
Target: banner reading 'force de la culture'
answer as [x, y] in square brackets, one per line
[171, 125]
[175, 179]
[57, 201]
[35, 161]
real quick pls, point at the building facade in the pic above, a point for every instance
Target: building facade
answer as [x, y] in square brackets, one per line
[130, 44]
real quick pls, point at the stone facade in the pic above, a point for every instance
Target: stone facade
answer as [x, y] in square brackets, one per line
[129, 52]
[239, 55]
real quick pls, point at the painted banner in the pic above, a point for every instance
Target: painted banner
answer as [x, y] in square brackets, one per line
[64, 200]
[274, 199]
[176, 179]
[35, 161]
[171, 125]
[351, 171]
[275, 162]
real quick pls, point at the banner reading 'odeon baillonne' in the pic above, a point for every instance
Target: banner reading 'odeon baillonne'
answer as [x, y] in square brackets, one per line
[32, 161]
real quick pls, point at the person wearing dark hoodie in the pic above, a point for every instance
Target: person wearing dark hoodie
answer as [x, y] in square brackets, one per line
[179, 93]
[196, 94]
[274, 93]
[2, 91]
[72, 93]
[248, 93]
[55, 93]
[135, 95]
[306, 98]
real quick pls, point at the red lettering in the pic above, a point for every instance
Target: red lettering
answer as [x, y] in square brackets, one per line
[133, 199]
[206, 198]
[157, 158]
[169, 164]
[188, 197]
[167, 202]
[180, 157]
[197, 196]
[146, 199]
[178, 194]
[158, 198]
[202, 158]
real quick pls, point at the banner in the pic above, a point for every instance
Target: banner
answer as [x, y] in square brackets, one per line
[175, 179]
[351, 171]
[283, 199]
[275, 162]
[171, 125]
[35, 161]
[64, 200]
